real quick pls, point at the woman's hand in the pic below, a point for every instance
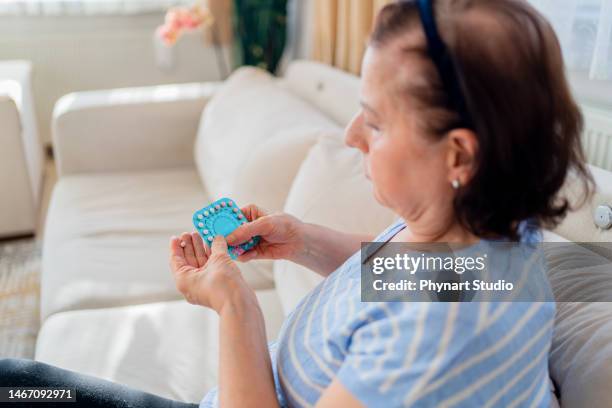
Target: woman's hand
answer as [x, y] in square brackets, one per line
[206, 277]
[281, 235]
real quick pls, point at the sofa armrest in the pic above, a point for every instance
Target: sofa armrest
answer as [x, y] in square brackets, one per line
[17, 206]
[128, 129]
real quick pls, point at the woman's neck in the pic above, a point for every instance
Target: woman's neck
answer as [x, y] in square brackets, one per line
[454, 233]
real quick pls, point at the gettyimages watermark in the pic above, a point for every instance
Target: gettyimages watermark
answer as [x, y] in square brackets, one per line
[488, 271]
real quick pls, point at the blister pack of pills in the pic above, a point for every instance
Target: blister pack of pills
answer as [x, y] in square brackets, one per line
[221, 218]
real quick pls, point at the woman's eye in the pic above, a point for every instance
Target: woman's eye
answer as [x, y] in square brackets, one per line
[373, 127]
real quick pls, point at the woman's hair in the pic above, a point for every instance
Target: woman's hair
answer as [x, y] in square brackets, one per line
[528, 126]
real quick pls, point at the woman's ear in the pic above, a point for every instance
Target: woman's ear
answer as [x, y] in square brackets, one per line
[461, 155]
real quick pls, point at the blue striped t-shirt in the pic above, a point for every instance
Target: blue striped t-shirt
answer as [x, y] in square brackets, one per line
[400, 354]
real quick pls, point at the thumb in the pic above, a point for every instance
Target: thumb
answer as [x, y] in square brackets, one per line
[219, 246]
[247, 231]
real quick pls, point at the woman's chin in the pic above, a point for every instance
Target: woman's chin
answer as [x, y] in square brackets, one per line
[377, 196]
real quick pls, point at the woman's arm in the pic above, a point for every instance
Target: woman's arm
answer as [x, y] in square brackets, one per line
[336, 395]
[209, 277]
[325, 249]
[245, 377]
[283, 236]
[245, 369]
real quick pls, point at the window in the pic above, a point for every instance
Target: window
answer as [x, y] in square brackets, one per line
[584, 28]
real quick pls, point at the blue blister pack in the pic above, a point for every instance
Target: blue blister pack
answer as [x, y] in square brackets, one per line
[221, 218]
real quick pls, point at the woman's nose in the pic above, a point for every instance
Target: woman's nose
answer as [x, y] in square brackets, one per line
[354, 135]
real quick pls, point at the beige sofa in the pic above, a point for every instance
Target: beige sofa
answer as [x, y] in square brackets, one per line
[21, 152]
[135, 163]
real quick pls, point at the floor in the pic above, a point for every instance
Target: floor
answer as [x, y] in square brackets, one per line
[20, 265]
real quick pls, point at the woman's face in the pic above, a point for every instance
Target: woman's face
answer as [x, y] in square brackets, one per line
[411, 172]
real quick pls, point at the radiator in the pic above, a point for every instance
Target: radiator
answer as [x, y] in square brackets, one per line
[597, 136]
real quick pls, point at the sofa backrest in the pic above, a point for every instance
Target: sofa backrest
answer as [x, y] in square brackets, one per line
[252, 138]
[336, 93]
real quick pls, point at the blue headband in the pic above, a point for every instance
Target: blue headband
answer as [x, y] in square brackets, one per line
[438, 52]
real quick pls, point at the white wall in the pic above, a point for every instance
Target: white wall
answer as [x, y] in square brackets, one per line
[73, 53]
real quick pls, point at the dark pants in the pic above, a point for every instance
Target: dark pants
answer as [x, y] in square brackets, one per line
[90, 391]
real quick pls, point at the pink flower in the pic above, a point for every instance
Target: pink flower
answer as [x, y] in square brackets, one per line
[172, 17]
[167, 34]
[180, 19]
[187, 21]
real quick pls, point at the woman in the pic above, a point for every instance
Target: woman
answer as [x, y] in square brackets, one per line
[463, 153]
[470, 150]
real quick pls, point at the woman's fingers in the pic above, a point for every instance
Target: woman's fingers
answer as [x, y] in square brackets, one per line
[177, 254]
[175, 247]
[181, 267]
[189, 250]
[258, 225]
[219, 245]
[245, 232]
[198, 246]
[252, 212]
[247, 256]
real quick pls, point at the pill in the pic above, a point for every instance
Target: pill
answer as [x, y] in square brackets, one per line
[240, 216]
[206, 213]
[210, 238]
[183, 244]
[201, 225]
[217, 206]
[200, 216]
[223, 204]
[205, 232]
[235, 210]
[212, 210]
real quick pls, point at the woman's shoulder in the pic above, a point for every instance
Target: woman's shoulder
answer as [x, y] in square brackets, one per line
[388, 232]
[529, 231]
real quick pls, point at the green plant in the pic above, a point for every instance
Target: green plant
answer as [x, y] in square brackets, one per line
[260, 27]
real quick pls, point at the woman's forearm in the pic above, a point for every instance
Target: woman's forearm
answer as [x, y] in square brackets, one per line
[325, 249]
[245, 369]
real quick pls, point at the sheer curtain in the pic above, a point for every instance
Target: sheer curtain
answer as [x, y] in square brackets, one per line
[341, 29]
[584, 28]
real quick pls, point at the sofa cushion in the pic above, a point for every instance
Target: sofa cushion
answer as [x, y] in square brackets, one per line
[168, 348]
[581, 351]
[106, 239]
[330, 189]
[252, 138]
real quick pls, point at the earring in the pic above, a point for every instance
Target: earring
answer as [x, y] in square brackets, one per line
[456, 184]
